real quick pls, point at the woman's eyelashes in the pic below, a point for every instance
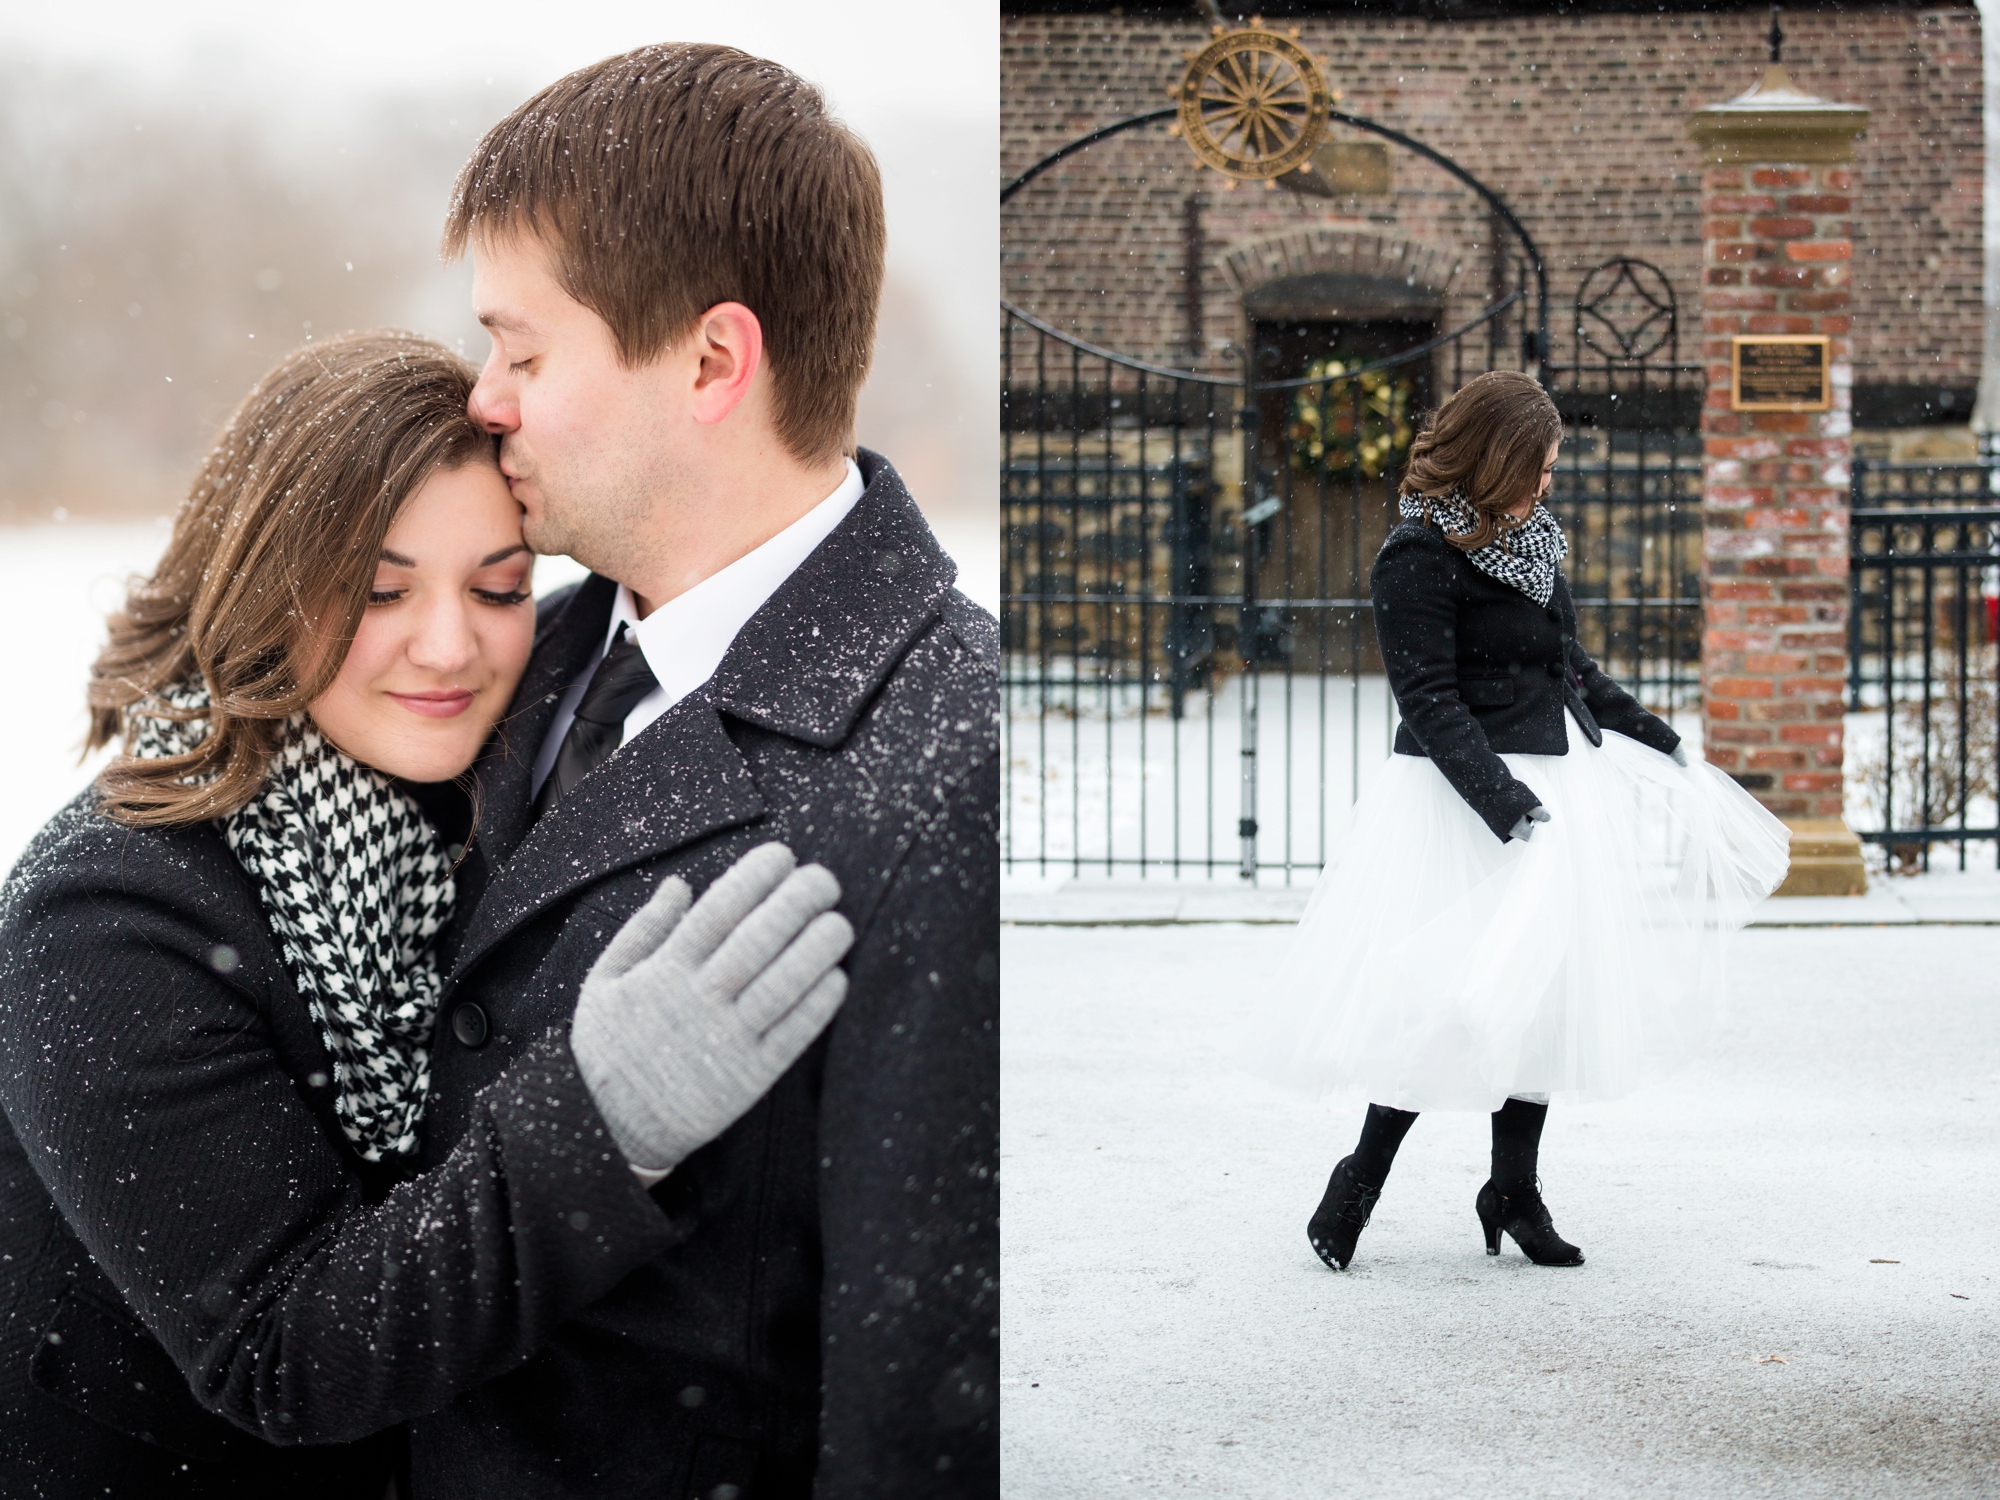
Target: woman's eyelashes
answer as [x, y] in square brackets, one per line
[519, 594]
[506, 586]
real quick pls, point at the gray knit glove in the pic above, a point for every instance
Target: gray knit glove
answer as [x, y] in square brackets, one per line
[691, 1014]
[1524, 829]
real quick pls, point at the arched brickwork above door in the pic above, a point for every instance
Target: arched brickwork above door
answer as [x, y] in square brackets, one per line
[1317, 271]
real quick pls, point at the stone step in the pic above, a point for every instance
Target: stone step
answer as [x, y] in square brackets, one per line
[1826, 860]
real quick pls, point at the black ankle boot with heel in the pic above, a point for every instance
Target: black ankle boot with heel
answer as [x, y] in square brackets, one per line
[1341, 1216]
[1511, 1202]
[1522, 1215]
[1355, 1185]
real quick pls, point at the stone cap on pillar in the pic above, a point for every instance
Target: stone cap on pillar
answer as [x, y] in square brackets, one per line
[1776, 121]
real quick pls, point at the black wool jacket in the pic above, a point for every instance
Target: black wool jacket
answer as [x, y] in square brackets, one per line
[826, 1321]
[1480, 669]
[184, 1231]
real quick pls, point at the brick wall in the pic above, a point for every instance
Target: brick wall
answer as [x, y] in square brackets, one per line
[1578, 121]
[1779, 256]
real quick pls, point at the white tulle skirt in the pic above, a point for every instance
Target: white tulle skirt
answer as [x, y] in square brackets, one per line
[1439, 968]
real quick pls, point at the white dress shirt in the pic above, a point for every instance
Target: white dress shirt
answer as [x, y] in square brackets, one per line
[685, 639]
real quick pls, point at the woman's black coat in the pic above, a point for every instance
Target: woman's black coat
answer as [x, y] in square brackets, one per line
[176, 1199]
[1480, 669]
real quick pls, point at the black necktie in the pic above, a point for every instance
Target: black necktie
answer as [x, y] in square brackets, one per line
[620, 681]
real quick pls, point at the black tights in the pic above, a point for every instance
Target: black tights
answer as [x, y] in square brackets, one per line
[1517, 1144]
[1381, 1133]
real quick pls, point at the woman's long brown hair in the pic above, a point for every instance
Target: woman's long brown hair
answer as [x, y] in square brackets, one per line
[1488, 442]
[271, 561]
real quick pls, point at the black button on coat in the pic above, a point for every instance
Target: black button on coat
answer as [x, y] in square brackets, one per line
[1480, 669]
[468, 1024]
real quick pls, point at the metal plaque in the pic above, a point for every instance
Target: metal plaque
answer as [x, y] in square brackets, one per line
[1780, 372]
[1339, 169]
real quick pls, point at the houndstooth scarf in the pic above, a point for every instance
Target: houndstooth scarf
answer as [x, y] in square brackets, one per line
[355, 884]
[1526, 557]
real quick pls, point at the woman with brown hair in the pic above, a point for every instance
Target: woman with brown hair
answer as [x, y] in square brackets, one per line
[220, 970]
[1532, 896]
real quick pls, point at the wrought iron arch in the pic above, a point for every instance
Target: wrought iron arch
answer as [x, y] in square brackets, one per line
[1535, 352]
[1178, 538]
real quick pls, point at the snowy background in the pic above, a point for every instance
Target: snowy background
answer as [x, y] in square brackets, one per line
[187, 192]
[1092, 785]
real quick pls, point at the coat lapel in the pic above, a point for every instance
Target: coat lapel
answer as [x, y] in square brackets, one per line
[681, 780]
[808, 662]
[804, 666]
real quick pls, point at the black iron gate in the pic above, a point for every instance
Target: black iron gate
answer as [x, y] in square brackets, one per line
[1923, 683]
[1191, 674]
[1629, 485]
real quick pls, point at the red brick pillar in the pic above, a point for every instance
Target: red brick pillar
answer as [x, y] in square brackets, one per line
[1777, 243]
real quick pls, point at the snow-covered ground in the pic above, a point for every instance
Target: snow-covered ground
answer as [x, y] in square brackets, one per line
[1089, 775]
[1168, 1333]
[57, 582]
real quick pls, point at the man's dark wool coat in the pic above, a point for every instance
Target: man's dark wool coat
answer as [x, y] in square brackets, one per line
[827, 1321]
[1480, 669]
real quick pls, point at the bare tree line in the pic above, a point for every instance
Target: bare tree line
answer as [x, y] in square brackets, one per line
[160, 247]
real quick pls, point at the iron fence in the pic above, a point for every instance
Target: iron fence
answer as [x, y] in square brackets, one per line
[1120, 594]
[1629, 489]
[1923, 684]
[1192, 679]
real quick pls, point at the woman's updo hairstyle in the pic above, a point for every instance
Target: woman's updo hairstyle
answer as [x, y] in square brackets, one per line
[1487, 443]
[270, 565]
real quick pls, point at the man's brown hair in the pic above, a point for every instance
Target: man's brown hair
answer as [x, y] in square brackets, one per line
[678, 176]
[271, 562]
[1488, 442]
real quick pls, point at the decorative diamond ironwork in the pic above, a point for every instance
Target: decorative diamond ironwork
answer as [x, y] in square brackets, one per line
[1625, 309]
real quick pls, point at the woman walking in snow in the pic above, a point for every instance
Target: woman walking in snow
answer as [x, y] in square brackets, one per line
[1533, 897]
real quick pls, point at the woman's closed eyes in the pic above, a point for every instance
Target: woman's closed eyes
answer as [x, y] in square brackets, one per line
[517, 595]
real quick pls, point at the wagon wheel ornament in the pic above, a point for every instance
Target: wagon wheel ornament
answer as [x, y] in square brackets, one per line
[1252, 104]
